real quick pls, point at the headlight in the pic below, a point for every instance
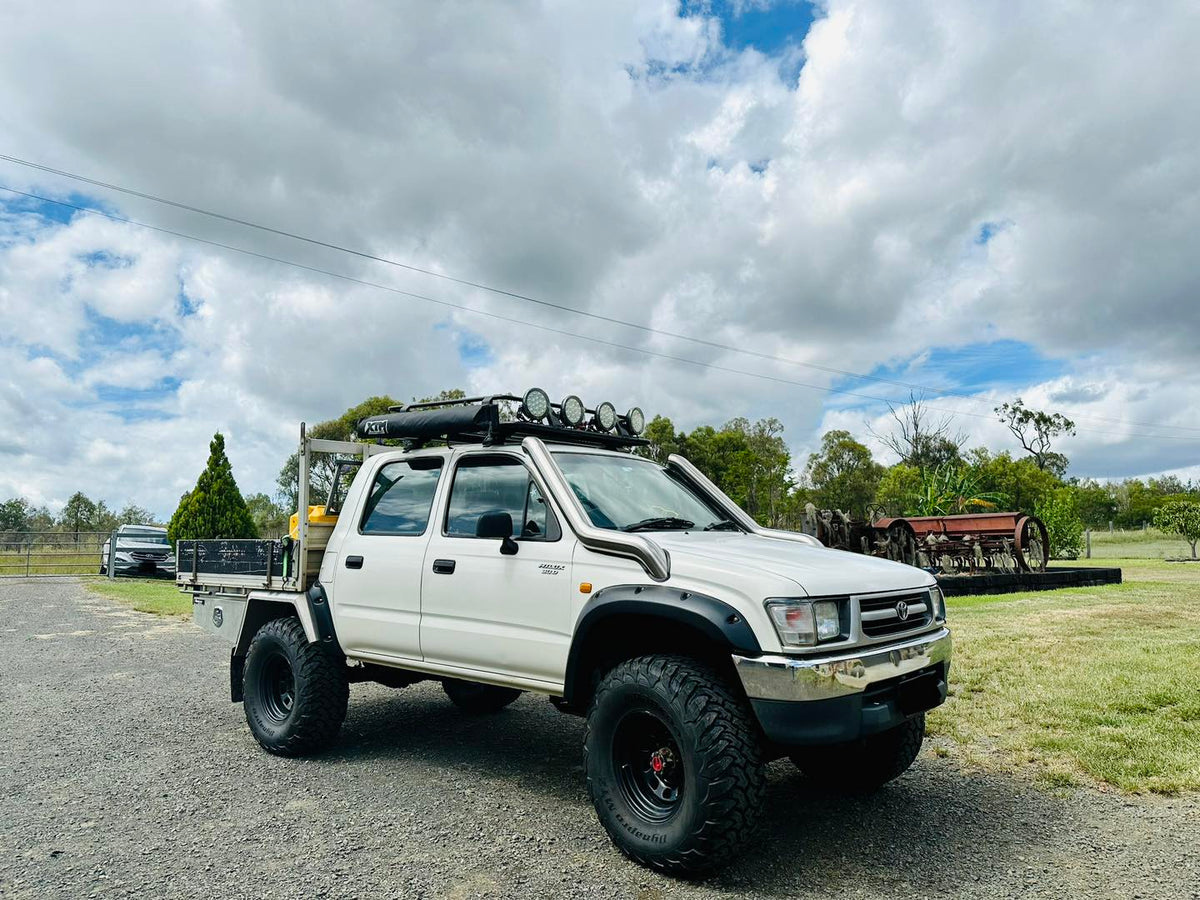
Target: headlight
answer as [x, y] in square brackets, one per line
[938, 599]
[572, 410]
[805, 623]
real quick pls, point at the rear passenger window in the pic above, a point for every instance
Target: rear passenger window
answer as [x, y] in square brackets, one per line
[401, 497]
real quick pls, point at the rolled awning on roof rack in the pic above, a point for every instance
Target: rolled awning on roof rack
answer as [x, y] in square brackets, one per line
[427, 424]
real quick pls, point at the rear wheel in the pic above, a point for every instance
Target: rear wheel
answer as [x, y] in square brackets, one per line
[473, 697]
[865, 765]
[295, 693]
[673, 763]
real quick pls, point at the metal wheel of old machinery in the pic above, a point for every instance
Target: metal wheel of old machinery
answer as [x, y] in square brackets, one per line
[1031, 544]
[902, 542]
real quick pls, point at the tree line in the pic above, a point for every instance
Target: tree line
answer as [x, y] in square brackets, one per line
[79, 517]
[936, 475]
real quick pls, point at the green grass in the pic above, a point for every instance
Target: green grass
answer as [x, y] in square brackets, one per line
[1085, 685]
[158, 597]
[1137, 544]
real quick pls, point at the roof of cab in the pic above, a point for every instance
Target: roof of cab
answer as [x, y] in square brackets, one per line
[463, 449]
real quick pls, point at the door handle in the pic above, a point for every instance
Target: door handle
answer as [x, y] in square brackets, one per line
[354, 562]
[443, 566]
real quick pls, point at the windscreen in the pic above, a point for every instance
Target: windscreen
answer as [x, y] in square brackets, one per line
[139, 536]
[631, 494]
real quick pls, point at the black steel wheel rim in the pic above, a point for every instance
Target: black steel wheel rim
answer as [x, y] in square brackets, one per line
[278, 687]
[648, 766]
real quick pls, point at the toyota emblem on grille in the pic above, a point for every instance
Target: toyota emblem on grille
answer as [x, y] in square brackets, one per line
[901, 610]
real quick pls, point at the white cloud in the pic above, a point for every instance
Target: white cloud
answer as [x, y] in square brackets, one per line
[835, 223]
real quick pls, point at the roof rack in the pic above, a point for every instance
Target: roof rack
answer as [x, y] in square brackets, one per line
[478, 420]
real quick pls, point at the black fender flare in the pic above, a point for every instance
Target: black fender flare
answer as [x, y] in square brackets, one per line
[322, 616]
[715, 619]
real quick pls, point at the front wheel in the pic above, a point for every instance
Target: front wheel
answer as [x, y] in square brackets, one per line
[673, 763]
[295, 693]
[868, 764]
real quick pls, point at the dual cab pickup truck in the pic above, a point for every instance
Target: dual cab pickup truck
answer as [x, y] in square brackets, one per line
[539, 554]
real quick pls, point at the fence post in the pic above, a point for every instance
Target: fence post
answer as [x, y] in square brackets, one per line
[1087, 535]
[28, 549]
[1143, 528]
[1110, 528]
[112, 552]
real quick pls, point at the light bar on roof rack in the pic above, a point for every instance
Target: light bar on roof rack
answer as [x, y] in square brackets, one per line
[636, 420]
[536, 404]
[606, 416]
[480, 419]
[572, 410]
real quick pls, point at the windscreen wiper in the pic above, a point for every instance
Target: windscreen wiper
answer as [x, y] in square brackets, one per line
[660, 523]
[723, 525]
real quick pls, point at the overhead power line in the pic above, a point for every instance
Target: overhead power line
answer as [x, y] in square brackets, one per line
[511, 319]
[562, 307]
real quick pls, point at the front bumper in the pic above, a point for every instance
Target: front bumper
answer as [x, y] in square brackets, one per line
[164, 567]
[834, 699]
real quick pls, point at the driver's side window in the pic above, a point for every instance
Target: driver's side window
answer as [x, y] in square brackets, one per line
[499, 484]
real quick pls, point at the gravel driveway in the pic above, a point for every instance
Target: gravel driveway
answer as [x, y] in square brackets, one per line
[124, 770]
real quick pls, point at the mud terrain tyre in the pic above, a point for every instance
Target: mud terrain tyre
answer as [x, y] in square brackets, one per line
[478, 699]
[673, 763]
[295, 693]
[866, 765]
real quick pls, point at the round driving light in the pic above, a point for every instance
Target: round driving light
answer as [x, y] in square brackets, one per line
[637, 420]
[536, 404]
[606, 416]
[572, 410]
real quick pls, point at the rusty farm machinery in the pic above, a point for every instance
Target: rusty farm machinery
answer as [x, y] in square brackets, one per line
[976, 543]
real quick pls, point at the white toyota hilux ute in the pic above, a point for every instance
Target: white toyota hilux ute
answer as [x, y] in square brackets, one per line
[540, 555]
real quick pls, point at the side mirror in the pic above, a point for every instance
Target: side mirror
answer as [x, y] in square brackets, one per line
[498, 525]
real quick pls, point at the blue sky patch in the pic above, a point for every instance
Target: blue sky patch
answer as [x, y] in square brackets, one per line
[52, 212]
[775, 28]
[989, 230]
[969, 369]
[770, 28]
[184, 304]
[151, 392]
[103, 259]
[474, 352]
[134, 413]
[149, 334]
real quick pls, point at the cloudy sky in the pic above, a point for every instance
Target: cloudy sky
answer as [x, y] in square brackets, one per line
[983, 198]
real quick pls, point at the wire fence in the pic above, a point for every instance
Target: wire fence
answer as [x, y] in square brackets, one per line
[41, 554]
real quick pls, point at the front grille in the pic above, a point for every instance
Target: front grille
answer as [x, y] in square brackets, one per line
[881, 615]
[148, 556]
